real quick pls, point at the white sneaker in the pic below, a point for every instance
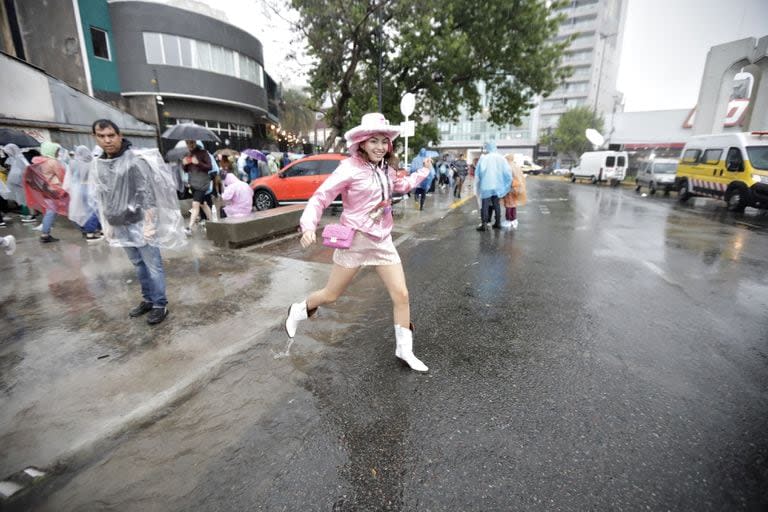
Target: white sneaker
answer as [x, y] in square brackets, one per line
[10, 242]
[187, 231]
[514, 224]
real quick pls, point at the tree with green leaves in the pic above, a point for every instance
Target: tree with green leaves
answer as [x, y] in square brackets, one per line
[297, 112]
[441, 50]
[569, 137]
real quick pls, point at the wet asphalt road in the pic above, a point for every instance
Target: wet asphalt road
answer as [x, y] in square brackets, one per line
[611, 354]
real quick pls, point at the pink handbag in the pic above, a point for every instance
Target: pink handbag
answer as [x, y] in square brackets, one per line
[338, 236]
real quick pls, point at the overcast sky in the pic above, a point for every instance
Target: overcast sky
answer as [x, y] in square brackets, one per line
[666, 44]
[664, 49]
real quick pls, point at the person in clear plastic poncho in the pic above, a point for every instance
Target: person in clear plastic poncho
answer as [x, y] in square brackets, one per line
[136, 198]
[82, 207]
[17, 163]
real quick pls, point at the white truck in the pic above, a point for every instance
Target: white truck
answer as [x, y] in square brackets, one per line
[599, 166]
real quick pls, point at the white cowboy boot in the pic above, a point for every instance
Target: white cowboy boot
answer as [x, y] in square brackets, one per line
[296, 313]
[404, 349]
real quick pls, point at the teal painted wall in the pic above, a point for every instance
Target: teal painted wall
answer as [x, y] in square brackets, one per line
[95, 13]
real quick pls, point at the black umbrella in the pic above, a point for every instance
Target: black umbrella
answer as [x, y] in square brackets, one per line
[21, 139]
[190, 131]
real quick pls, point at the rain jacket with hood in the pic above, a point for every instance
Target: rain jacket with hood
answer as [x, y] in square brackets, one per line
[238, 196]
[516, 195]
[16, 175]
[418, 163]
[493, 177]
[136, 198]
[76, 184]
[361, 192]
[44, 180]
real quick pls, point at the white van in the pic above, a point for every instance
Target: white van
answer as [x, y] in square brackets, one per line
[598, 166]
[526, 165]
[655, 174]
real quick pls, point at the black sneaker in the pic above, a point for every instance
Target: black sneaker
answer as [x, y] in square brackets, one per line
[157, 315]
[481, 227]
[143, 307]
[46, 239]
[497, 226]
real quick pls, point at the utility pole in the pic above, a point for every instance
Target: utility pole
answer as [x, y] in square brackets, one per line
[602, 37]
[158, 109]
[379, 38]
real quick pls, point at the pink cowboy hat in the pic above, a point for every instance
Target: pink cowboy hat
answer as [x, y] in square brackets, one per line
[371, 124]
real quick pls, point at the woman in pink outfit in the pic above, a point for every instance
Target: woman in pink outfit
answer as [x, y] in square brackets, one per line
[237, 196]
[366, 183]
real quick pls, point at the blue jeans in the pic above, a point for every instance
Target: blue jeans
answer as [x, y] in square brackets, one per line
[421, 195]
[149, 267]
[48, 218]
[92, 225]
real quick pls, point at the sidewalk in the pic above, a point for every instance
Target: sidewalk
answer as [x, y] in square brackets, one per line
[76, 371]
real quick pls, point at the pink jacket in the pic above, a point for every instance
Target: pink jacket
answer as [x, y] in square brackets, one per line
[238, 196]
[360, 193]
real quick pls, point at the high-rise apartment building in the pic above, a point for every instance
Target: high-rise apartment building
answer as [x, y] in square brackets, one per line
[597, 28]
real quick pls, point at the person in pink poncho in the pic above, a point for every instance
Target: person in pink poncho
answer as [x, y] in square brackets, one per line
[237, 196]
[44, 188]
[366, 183]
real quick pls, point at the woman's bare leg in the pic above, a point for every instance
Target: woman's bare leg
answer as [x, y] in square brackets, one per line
[394, 279]
[195, 213]
[337, 282]
[207, 210]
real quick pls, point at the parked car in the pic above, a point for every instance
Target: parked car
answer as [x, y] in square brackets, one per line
[658, 173]
[296, 182]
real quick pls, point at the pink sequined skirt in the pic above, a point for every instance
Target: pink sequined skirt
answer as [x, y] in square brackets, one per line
[367, 251]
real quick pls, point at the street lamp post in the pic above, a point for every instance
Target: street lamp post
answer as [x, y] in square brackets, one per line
[158, 109]
[379, 31]
[603, 37]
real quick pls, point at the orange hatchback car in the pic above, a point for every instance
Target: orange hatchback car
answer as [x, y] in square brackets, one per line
[296, 182]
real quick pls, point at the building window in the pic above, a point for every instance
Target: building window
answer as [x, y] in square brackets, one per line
[153, 48]
[174, 50]
[100, 43]
[171, 50]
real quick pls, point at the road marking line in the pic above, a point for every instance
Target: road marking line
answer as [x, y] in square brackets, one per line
[402, 238]
[661, 273]
[460, 202]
